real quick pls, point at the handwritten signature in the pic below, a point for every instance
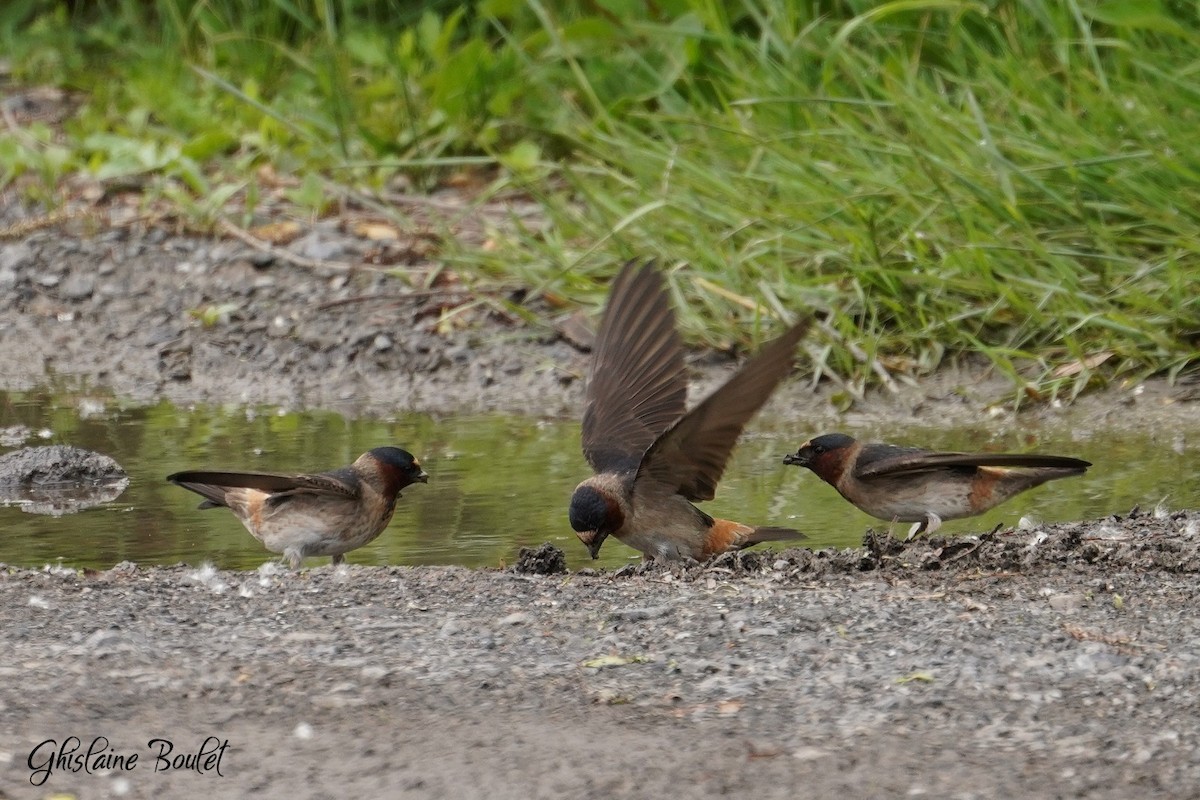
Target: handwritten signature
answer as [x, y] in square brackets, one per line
[101, 756]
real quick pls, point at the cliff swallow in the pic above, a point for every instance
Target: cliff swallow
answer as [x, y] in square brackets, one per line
[325, 514]
[907, 484]
[650, 457]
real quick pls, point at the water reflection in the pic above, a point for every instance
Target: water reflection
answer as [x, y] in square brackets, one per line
[60, 501]
[496, 483]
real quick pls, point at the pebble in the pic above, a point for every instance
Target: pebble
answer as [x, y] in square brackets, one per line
[77, 287]
[1065, 602]
[641, 614]
[15, 257]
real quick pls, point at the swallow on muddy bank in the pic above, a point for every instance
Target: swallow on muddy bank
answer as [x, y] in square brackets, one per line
[908, 484]
[322, 514]
[651, 457]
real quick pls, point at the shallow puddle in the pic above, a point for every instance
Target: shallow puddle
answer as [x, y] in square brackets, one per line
[497, 482]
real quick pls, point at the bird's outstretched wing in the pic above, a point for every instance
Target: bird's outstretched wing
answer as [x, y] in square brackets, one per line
[637, 386]
[690, 456]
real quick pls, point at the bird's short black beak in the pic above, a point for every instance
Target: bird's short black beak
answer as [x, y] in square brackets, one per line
[423, 477]
[798, 458]
[593, 543]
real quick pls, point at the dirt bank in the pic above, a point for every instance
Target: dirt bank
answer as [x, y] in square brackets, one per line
[107, 302]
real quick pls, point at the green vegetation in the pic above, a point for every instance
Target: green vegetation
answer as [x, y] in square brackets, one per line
[937, 178]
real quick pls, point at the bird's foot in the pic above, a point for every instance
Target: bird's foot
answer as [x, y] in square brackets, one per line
[927, 526]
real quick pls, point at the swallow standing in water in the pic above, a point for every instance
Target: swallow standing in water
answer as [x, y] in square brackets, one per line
[325, 514]
[907, 484]
[652, 459]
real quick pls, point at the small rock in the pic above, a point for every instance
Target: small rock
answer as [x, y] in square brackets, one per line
[102, 641]
[517, 618]
[318, 248]
[810, 754]
[79, 286]
[1065, 602]
[375, 673]
[766, 630]
[546, 559]
[57, 464]
[15, 256]
[639, 614]
[336, 701]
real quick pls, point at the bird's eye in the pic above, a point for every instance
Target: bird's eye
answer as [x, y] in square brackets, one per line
[818, 449]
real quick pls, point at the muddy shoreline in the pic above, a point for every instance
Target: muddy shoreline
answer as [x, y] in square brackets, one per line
[146, 316]
[1059, 661]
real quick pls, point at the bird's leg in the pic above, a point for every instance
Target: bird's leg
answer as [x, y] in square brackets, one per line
[927, 526]
[339, 558]
[292, 558]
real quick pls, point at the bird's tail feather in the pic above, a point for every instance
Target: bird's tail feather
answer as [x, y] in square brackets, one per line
[214, 496]
[769, 533]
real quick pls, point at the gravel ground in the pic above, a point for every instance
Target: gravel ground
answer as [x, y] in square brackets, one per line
[1057, 662]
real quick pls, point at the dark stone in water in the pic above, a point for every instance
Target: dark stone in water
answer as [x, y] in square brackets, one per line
[545, 559]
[59, 479]
[57, 465]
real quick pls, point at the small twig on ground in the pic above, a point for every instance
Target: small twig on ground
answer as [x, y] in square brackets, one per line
[449, 294]
[25, 227]
[244, 236]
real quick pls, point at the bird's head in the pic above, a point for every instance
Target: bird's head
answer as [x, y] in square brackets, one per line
[594, 514]
[825, 455]
[395, 467]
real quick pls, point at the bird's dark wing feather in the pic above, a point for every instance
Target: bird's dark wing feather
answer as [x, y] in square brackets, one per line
[636, 385]
[338, 483]
[214, 496]
[689, 458]
[906, 461]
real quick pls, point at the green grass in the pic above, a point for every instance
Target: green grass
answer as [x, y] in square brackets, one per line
[1015, 179]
